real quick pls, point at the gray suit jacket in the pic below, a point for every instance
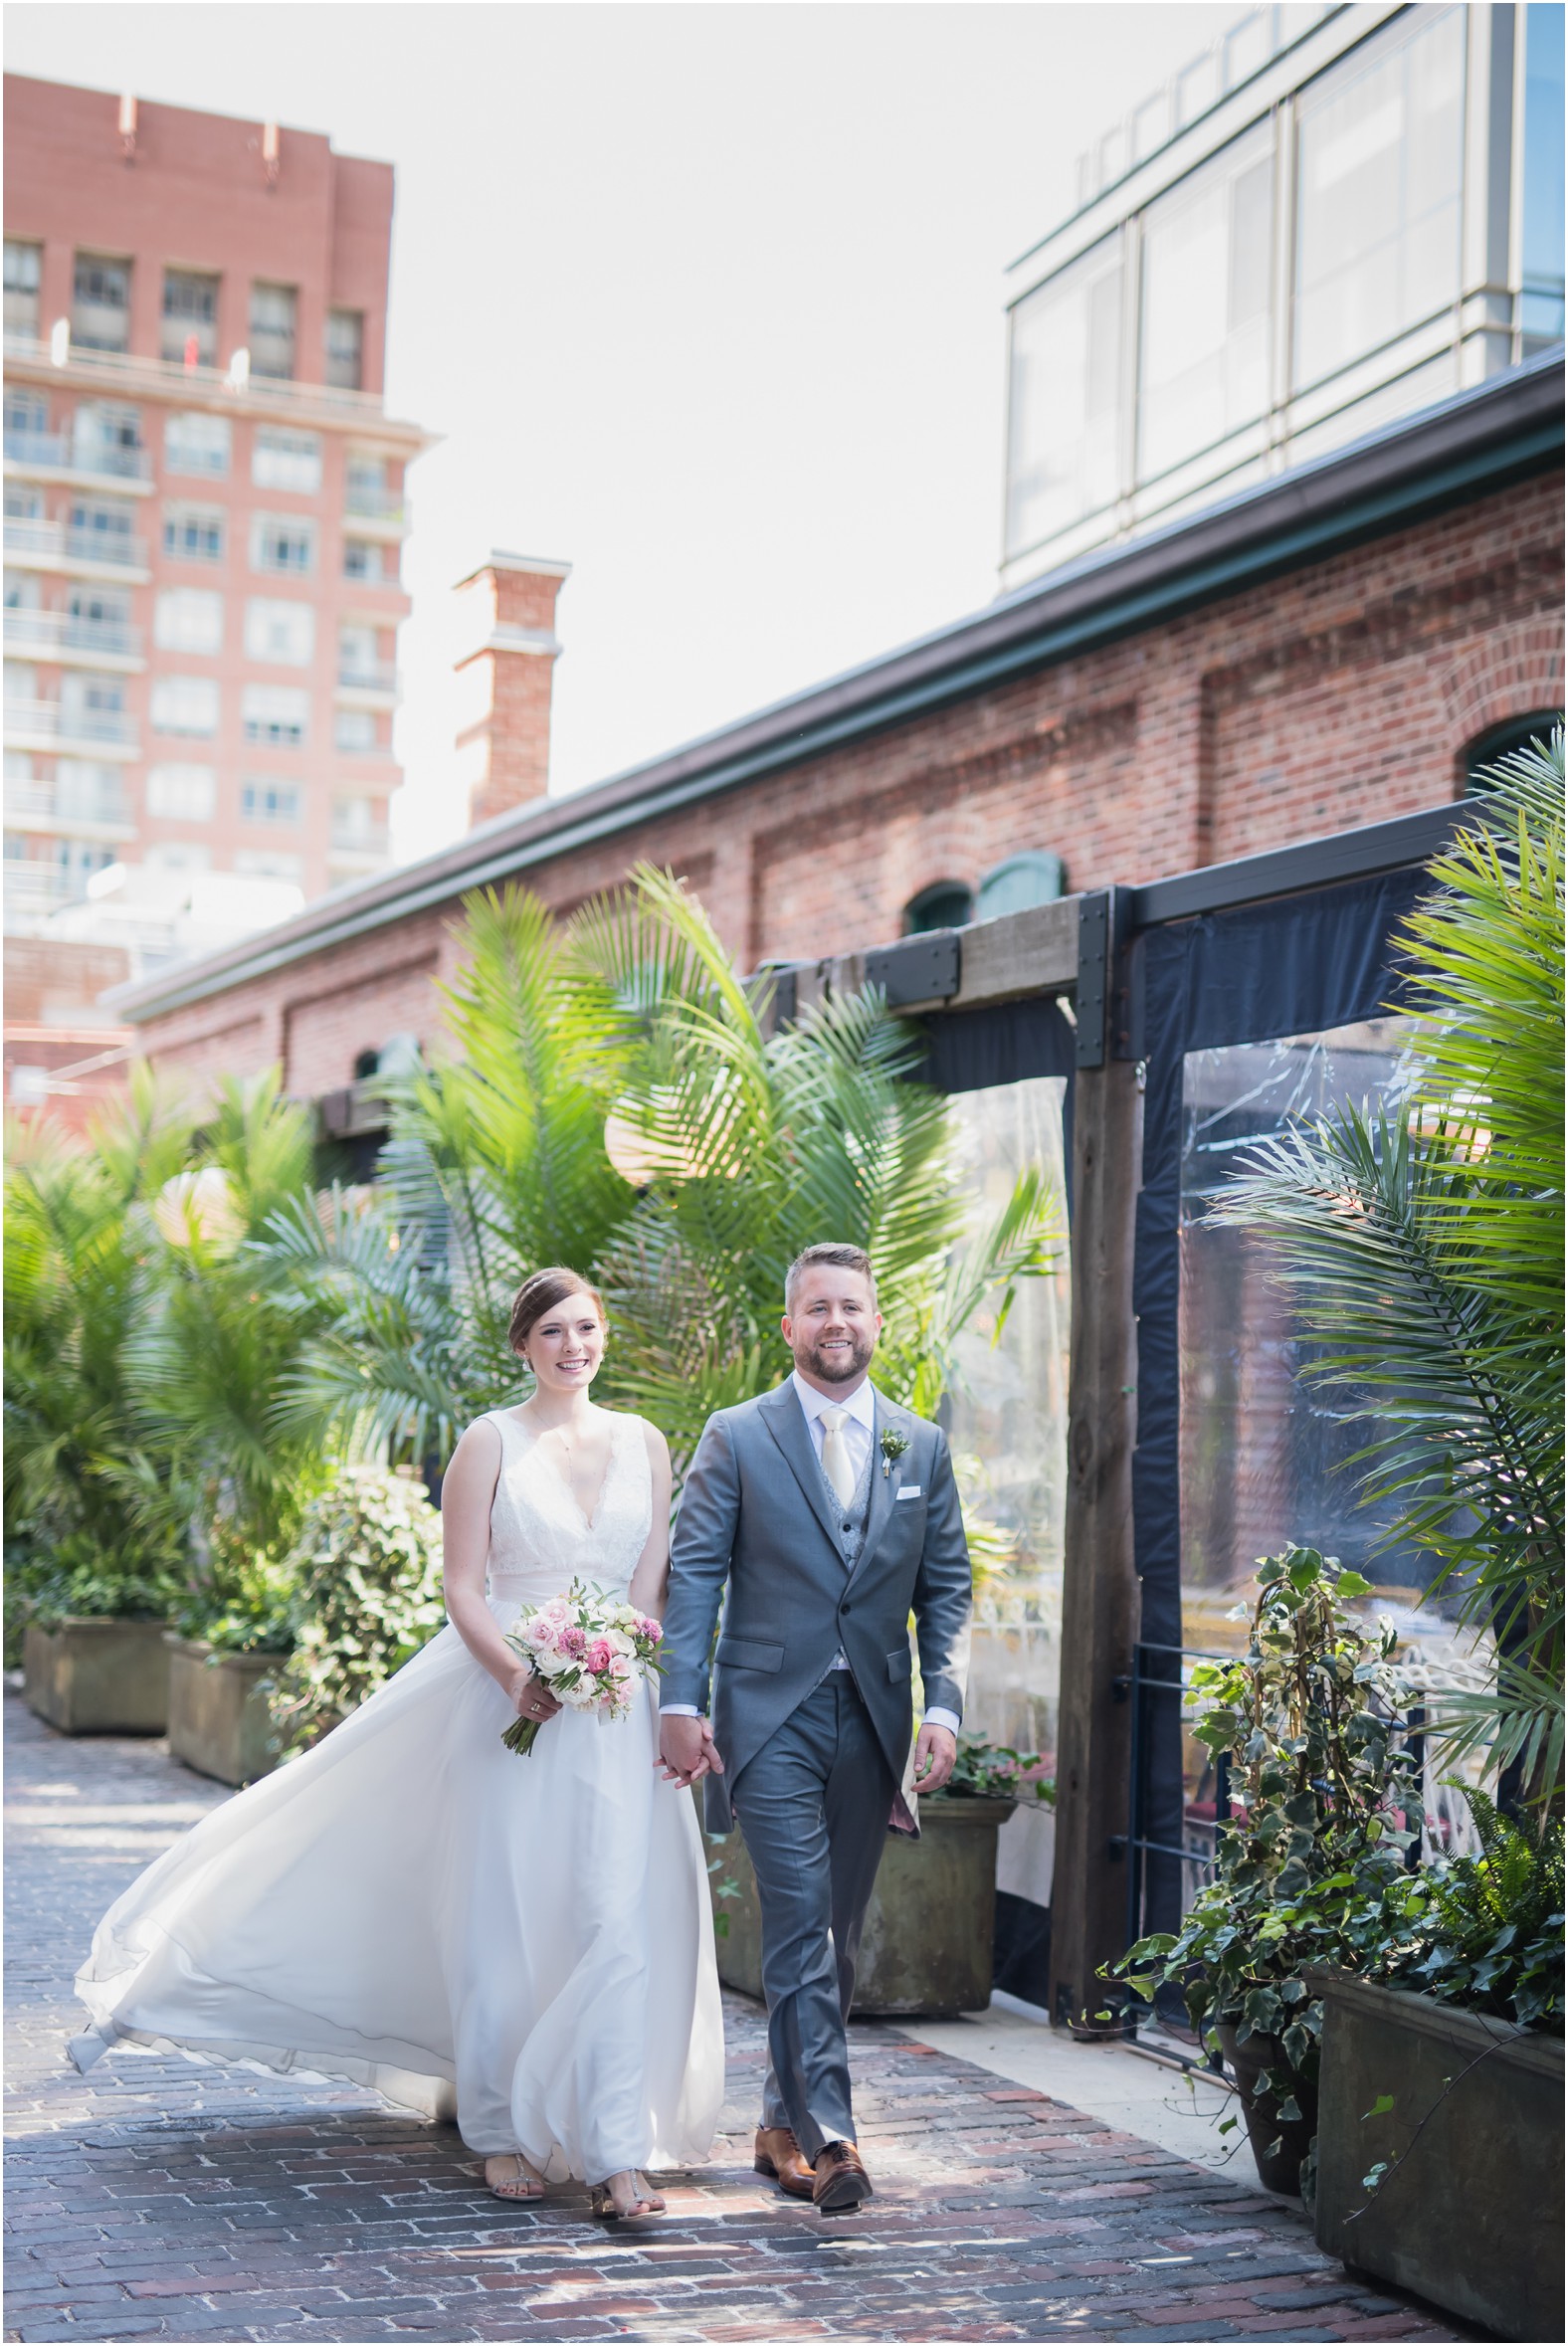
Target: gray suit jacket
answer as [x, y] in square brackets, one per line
[755, 1514]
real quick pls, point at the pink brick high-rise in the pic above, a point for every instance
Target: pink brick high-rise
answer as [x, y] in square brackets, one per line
[204, 501]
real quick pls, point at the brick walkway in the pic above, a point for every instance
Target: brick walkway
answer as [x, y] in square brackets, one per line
[157, 2198]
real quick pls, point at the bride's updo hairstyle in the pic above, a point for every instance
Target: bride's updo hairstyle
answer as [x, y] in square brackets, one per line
[540, 1293]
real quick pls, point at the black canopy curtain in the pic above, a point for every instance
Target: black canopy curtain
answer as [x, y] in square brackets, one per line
[1295, 965]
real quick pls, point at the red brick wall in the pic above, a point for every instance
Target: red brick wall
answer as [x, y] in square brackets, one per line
[1338, 694]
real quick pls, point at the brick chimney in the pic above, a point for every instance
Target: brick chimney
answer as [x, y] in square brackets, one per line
[505, 739]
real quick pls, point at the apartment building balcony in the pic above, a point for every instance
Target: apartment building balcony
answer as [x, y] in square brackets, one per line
[376, 512]
[61, 637]
[360, 847]
[46, 809]
[57, 456]
[124, 374]
[75, 553]
[367, 684]
[50, 726]
[32, 892]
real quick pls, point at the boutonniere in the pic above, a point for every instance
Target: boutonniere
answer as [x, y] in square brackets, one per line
[893, 1445]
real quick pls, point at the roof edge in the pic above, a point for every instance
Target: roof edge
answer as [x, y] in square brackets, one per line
[1503, 429]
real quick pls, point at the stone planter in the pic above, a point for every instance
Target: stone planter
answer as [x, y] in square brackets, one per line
[218, 1722]
[930, 1927]
[1283, 2171]
[97, 1677]
[1470, 2214]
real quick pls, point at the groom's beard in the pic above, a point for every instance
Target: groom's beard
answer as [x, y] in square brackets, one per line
[845, 1366]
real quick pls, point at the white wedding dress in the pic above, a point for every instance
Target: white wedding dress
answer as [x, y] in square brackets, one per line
[413, 1907]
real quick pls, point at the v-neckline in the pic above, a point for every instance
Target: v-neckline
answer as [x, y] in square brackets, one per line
[590, 1523]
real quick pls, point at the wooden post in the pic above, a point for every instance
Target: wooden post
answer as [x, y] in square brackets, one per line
[1099, 1606]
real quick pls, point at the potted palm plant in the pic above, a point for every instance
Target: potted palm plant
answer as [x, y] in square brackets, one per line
[94, 1508]
[614, 1099]
[1423, 1247]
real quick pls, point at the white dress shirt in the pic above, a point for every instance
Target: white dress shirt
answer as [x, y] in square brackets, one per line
[859, 1430]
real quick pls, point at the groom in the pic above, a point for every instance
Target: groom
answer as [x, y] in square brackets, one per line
[830, 1513]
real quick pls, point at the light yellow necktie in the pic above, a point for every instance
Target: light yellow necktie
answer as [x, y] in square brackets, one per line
[836, 1462]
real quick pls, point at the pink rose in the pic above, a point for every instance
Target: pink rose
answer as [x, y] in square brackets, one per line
[572, 1640]
[598, 1656]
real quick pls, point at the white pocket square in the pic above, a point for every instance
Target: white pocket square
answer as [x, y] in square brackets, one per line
[907, 1490]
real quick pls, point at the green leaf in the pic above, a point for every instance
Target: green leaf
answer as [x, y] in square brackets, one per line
[1380, 2108]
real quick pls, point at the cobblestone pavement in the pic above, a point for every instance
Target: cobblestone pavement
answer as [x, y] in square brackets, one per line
[157, 2198]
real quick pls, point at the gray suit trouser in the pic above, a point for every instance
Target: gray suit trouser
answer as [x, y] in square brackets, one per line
[813, 1808]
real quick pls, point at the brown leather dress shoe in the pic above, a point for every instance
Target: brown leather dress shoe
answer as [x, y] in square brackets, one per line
[842, 2181]
[778, 2154]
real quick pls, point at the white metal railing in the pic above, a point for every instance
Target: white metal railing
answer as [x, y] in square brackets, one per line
[37, 800]
[54, 722]
[33, 886]
[58, 452]
[124, 372]
[365, 502]
[367, 676]
[55, 541]
[64, 631]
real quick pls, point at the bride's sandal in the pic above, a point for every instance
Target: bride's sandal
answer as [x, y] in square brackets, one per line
[602, 2201]
[523, 2183]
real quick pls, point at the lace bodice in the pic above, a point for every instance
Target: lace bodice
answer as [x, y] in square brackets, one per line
[540, 1539]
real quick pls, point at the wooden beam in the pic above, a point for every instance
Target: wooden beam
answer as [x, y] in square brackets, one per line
[1099, 1603]
[1031, 952]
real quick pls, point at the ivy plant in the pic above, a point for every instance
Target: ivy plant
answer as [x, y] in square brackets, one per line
[1311, 1869]
[994, 1771]
[367, 1568]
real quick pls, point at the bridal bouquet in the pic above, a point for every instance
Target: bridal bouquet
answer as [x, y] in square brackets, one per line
[588, 1651]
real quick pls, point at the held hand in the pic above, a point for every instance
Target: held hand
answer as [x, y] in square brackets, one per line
[935, 1750]
[686, 1750]
[532, 1697]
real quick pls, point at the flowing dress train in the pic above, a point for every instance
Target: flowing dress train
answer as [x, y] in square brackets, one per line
[413, 1907]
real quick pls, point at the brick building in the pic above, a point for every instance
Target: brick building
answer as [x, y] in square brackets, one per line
[203, 513]
[1330, 648]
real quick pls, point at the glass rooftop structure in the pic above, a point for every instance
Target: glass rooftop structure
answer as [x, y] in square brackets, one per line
[1333, 217]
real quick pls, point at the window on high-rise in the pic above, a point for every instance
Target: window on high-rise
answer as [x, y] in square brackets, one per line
[188, 619]
[270, 802]
[1380, 167]
[1203, 348]
[185, 704]
[345, 348]
[362, 559]
[273, 313]
[196, 442]
[100, 303]
[106, 438]
[276, 715]
[281, 631]
[268, 863]
[290, 461]
[182, 794]
[1062, 404]
[354, 731]
[188, 330]
[102, 529]
[284, 542]
[23, 264]
[194, 533]
[1542, 303]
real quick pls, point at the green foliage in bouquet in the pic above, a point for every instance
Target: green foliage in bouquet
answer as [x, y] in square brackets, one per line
[367, 1573]
[1323, 1783]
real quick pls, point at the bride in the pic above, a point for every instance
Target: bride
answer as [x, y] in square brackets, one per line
[412, 1906]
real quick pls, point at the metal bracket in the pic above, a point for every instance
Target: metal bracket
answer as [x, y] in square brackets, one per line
[921, 969]
[1101, 1001]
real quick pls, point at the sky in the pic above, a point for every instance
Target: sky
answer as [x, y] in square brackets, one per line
[703, 300]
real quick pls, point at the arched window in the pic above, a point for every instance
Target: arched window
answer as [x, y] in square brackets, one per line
[1034, 877]
[1499, 741]
[947, 904]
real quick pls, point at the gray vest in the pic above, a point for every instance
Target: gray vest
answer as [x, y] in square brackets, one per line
[849, 1522]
